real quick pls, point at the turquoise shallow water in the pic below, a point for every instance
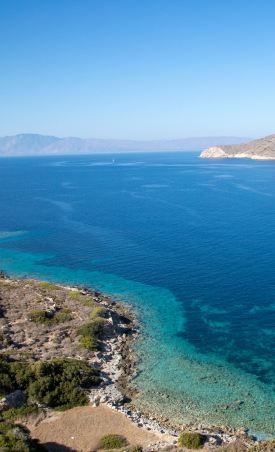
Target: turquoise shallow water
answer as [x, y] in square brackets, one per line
[188, 243]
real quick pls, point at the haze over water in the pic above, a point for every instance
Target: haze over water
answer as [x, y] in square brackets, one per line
[189, 243]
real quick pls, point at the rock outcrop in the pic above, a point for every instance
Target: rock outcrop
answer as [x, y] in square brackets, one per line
[14, 400]
[263, 149]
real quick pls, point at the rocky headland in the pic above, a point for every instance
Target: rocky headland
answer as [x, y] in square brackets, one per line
[262, 149]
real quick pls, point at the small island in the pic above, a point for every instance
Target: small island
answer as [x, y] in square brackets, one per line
[262, 149]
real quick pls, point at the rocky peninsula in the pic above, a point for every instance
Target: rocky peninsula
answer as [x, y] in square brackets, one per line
[262, 149]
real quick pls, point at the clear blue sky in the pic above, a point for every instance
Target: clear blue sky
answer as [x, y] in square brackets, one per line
[137, 69]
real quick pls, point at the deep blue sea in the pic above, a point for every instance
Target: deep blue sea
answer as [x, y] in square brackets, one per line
[189, 243]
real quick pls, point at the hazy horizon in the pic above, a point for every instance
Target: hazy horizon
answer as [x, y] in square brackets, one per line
[125, 139]
[35, 144]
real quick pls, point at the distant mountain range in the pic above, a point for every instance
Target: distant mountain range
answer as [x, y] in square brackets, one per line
[262, 149]
[32, 144]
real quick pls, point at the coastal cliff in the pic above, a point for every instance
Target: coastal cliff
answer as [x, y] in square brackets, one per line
[262, 149]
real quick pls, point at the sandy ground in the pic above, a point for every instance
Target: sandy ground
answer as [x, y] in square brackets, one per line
[79, 429]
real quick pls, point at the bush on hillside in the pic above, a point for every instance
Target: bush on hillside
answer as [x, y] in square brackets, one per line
[14, 438]
[89, 329]
[65, 311]
[55, 383]
[75, 295]
[8, 286]
[46, 285]
[98, 313]
[88, 301]
[191, 440]
[90, 332]
[61, 317]
[38, 316]
[22, 411]
[109, 442]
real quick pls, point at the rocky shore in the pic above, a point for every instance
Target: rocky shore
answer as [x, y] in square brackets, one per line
[115, 360]
[262, 149]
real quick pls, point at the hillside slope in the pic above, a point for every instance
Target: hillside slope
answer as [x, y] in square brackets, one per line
[263, 149]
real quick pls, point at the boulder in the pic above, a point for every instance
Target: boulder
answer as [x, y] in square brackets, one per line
[14, 400]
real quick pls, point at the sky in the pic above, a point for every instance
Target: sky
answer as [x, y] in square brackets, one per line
[137, 69]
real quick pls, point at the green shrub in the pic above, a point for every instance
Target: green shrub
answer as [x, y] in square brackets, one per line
[87, 342]
[74, 295]
[2, 338]
[191, 440]
[8, 286]
[37, 300]
[61, 317]
[90, 332]
[88, 301]
[112, 442]
[7, 341]
[55, 383]
[98, 312]
[13, 438]
[39, 316]
[22, 411]
[46, 285]
[89, 329]
[65, 311]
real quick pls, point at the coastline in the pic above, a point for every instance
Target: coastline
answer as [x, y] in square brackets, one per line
[117, 364]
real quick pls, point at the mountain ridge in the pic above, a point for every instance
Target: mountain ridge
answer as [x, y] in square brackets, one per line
[35, 144]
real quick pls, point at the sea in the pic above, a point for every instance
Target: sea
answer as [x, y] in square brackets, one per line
[187, 243]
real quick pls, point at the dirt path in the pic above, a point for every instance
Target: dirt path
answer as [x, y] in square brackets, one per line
[79, 429]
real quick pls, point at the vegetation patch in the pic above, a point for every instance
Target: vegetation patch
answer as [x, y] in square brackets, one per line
[5, 340]
[88, 301]
[60, 317]
[109, 442]
[88, 342]
[8, 286]
[89, 329]
[57, 383]
[22, 411]
[65, 311]
[191, 440]
[13, 438]
[39, 316]
[98, 312]
[90, 332]
[75, 295]
[46, 285]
